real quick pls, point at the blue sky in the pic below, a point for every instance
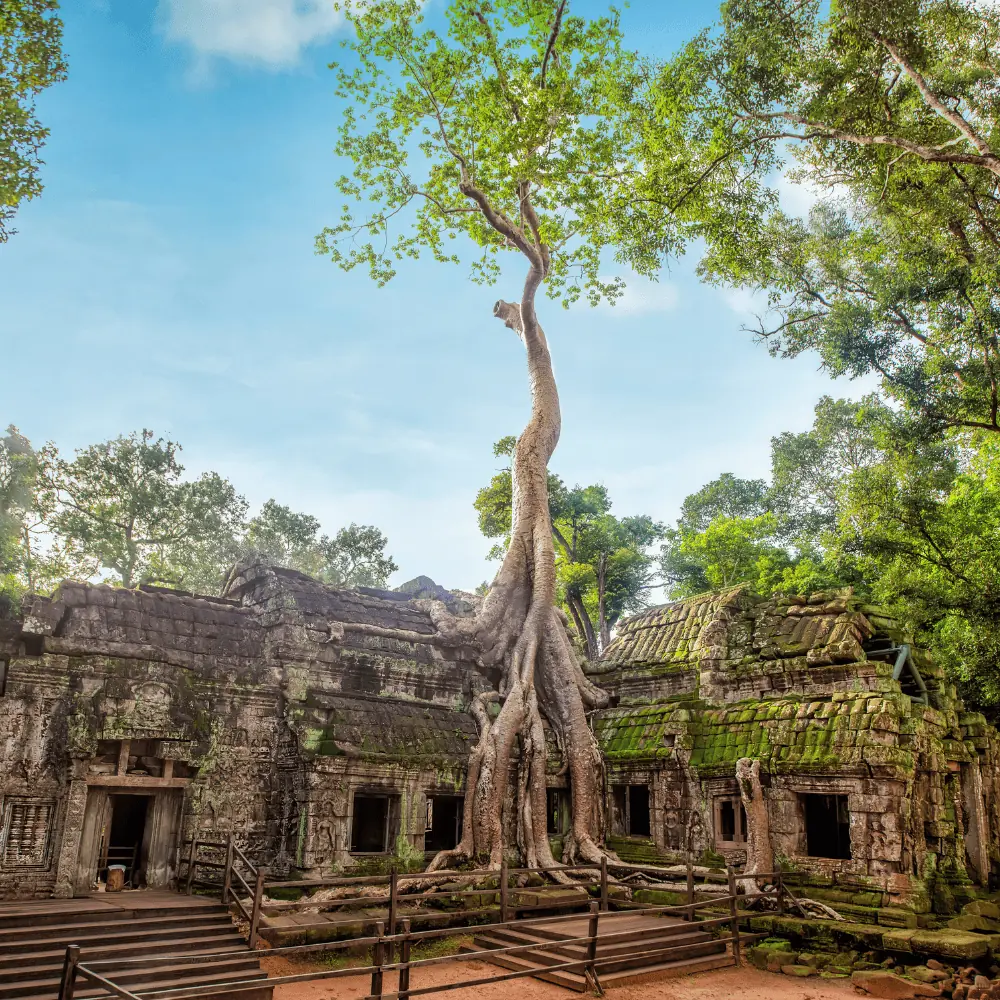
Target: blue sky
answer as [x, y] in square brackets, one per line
[166, 279]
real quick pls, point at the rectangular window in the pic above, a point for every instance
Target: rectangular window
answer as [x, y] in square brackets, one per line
[730, 822]
[25, 834]
[373, 823]
[828, 826]
[443, 829]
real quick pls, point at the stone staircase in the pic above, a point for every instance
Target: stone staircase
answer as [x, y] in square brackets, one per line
[678, 948]
[178, 931]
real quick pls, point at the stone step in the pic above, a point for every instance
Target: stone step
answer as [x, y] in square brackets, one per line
[170, 981]
[145, 977]
[75, 912]
[21, 966]
[93, 932]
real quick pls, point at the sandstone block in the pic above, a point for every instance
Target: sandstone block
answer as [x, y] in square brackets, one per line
[802, 971]
[889, 986]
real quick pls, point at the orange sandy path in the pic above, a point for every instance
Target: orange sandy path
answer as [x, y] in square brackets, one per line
[723, 984]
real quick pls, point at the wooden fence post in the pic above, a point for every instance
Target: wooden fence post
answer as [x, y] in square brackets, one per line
[403, 989]
[378, 959]
[689, 914]
[258, 898]
[504, 915]
[393, 899]
[590, 972]
[604, 882]
[68, 982]
[781, 894]
[191, 865]
[734, 920]
[227, 877]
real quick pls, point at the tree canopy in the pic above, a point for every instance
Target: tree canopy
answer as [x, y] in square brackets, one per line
[125, 504]
[123, 511]
[31, 59]
[354, 557]
[888, 109]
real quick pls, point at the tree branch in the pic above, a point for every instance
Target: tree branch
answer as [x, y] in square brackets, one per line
[556, 25]
[933, 101]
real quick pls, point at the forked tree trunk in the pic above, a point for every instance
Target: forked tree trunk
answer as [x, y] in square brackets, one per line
[521, 631]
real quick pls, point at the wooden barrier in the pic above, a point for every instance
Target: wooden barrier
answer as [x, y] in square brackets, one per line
[384, 948]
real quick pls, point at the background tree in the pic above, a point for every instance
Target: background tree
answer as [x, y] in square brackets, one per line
[123, 503]
[783, 536]
[516, 128]
[604, 567]
[354, 557]
[31, 59]
[925, 526]
[18, 479]
[890, 110]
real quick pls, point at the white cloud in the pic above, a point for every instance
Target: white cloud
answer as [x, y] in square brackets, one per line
[271, 32]
[746, 303]
[642, 297]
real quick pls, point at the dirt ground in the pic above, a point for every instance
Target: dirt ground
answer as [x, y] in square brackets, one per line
[724, 984]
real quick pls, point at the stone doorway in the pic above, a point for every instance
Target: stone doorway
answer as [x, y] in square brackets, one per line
[123, 840]
[137, 829]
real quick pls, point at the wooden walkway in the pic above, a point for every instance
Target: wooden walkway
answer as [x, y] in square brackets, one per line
[631, 948]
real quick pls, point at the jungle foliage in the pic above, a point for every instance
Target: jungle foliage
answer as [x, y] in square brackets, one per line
[31, 59]
[123, 512]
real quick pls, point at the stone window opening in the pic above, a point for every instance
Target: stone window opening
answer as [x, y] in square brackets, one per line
[557, 811]
[630, 810]
[443, 824]
[828, 826]
[25, 834]
[730, 822]
[374, 823]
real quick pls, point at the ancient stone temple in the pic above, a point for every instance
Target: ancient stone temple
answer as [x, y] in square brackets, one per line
[320, 726]
[876, 780]
[326, 728]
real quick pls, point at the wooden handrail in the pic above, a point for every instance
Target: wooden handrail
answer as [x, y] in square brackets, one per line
[118, 991]
[452, 931]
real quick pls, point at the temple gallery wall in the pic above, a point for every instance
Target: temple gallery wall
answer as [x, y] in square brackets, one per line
[325, 728]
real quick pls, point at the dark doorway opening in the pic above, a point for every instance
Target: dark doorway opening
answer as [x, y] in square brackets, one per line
[444, 822]
[828, 826]
[557, 811]
[371, 828]
[125, 836]
[630, 810]
[638, 808]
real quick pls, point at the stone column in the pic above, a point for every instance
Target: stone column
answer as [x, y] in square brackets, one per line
[69, 847]
[976, 832]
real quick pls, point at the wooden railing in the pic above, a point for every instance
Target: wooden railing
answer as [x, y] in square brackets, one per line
[498, 899]
[385, 947]
[231, 881]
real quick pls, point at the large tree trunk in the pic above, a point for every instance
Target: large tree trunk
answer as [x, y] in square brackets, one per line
[760, 857]
[521, 631]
